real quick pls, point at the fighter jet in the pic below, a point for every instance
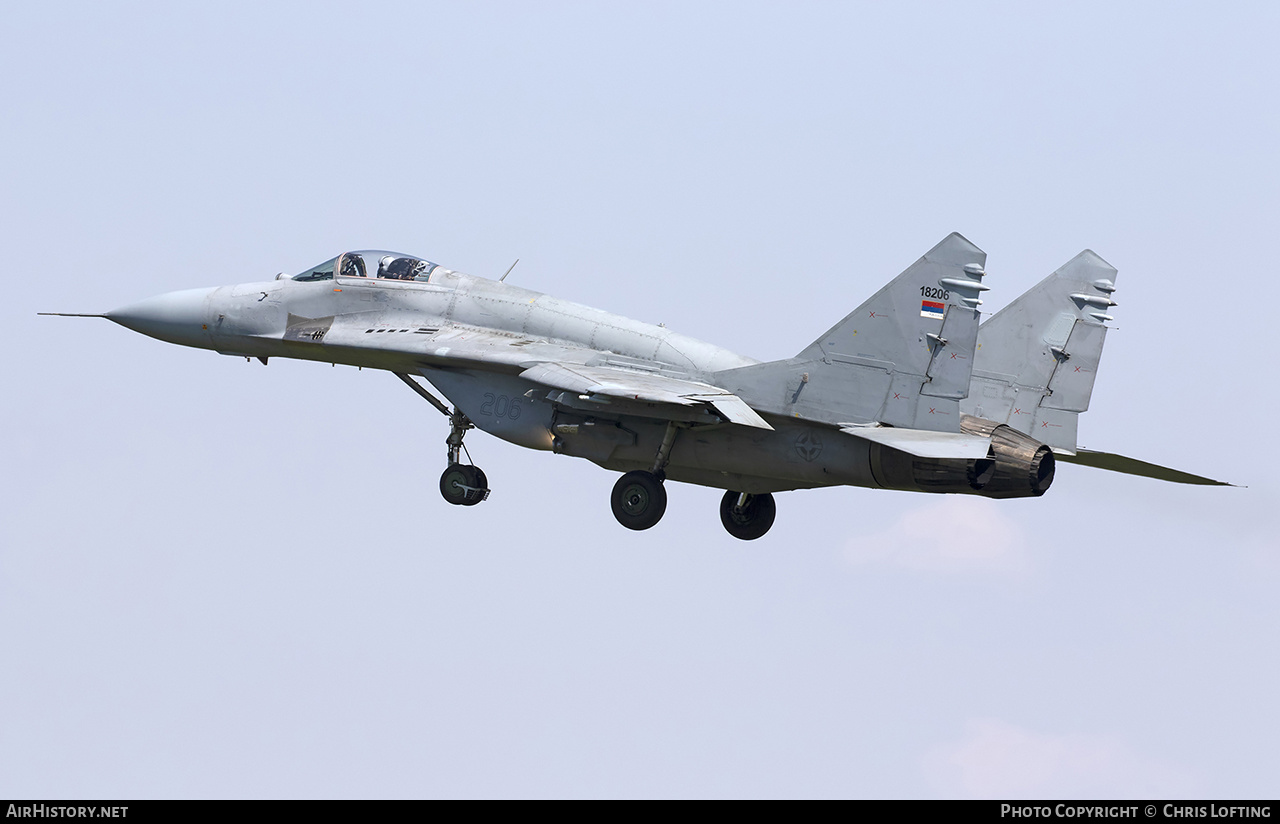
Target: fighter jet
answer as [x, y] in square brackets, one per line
[909, 391]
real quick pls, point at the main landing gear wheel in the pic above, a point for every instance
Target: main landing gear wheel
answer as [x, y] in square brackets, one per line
[638, 500]
[747, 519]
[464, 485]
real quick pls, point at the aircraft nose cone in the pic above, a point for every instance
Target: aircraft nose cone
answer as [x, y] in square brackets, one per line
[176, 317]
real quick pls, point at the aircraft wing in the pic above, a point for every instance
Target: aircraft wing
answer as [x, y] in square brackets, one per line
[553, 364]
[1132, 466]
[606, 382]
[924, 443]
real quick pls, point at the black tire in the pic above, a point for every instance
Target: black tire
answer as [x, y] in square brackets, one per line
[639, 499]
[753, 521]
[482, 482]
[460, 474]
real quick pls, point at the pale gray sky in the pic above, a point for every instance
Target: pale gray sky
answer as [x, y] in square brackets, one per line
[220, 580]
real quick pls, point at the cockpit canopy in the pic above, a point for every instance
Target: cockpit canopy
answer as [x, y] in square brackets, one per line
[372, 263]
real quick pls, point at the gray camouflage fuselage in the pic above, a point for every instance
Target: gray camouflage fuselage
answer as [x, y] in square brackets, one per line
[422, 328]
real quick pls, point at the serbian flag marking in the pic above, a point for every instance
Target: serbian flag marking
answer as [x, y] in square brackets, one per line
[931, 309]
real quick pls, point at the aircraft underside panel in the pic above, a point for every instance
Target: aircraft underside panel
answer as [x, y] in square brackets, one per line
[502, 405]
[727, 456]
[792, 455]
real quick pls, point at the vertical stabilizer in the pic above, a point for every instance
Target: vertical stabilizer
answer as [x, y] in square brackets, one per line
[1037, 358]
[903, 358]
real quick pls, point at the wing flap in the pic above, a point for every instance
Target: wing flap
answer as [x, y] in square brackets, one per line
[735, 409]
[640, 386]
[924, 443]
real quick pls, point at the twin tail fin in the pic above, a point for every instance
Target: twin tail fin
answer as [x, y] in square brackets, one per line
[903, 358]
[1038, 357]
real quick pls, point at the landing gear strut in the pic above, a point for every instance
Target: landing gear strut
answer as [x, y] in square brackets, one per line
[639, 499]
[747, 516]
[461, 484]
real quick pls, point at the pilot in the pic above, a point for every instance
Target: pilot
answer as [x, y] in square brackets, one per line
[397, 268]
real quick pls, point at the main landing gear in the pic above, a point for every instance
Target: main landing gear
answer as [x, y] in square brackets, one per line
[461, 484]
[639, 499]
[747, 516]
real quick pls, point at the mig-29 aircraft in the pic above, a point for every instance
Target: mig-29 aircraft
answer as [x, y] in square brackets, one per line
[908, 392]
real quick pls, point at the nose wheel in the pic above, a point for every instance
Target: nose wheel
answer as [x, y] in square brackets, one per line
[464, 485]
[461, 484]
[747, 517]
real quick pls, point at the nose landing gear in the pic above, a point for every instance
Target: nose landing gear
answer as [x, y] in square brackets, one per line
[461, 484]
[464, 485]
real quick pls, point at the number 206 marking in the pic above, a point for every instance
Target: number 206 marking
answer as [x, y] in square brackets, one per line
[936, 294]
[500, 406]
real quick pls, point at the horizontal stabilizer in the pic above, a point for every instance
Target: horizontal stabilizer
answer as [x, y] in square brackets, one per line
[1132, 466]
[925, 443]
[645, 387]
